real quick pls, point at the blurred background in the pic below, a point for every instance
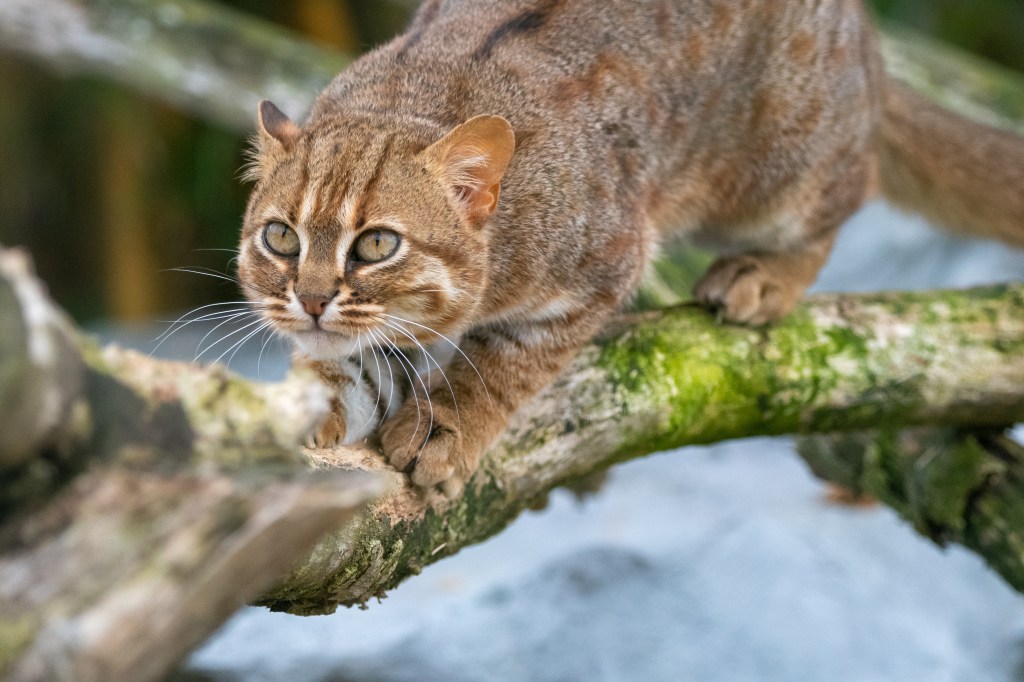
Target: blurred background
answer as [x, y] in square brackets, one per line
[713, 563]
[109, 190]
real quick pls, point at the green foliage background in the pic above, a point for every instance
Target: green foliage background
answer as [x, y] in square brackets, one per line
[109, 190]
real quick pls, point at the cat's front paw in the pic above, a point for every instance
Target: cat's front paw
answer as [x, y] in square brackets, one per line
[331, 432]
[748, 289]
[426, 443]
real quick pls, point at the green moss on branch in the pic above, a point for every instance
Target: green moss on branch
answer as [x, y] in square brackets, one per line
[666, 379]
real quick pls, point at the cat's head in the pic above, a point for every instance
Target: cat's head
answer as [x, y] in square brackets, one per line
[360, 229]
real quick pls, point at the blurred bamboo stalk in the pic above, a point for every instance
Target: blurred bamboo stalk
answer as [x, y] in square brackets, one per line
[129, 262]
[328, 22]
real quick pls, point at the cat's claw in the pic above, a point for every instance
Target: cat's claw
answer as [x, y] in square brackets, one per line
[331, 432]
[746, 290]
[430, 449]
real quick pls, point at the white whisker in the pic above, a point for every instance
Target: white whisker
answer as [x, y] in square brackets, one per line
[239, 344]
[453, 345]
[266, 339]
[183, 322]
[209, 272]
[397, 327]
[227, 336]
[426, 391]
[412, 384]
[391, 375]
[205, 318]
[380, 377]
[207, 335]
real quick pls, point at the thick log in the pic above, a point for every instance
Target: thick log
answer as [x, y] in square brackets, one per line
[141, 503]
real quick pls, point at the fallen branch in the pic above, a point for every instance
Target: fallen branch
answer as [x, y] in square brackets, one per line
[141, 503]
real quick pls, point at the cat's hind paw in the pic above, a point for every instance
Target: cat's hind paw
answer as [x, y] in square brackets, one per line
[748, 289]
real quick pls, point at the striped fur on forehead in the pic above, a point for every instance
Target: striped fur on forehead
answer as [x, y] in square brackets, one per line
[344, 165]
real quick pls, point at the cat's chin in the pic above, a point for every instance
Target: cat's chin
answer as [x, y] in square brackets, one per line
[324, 345]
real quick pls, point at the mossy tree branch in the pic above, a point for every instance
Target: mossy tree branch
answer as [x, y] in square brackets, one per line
[953, 486]
[675, 377]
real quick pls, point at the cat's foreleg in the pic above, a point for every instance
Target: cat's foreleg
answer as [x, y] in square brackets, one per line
[498, 367]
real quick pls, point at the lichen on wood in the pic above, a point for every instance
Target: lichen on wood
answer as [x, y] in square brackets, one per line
[160, 497]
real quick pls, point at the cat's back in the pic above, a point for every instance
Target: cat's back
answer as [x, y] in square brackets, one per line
[661, 67]
[630, 114]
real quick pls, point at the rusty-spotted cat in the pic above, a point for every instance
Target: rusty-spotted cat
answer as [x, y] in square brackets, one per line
[492, 183]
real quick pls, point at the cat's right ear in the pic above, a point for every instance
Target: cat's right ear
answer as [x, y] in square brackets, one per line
[277, 134]
[275, 125]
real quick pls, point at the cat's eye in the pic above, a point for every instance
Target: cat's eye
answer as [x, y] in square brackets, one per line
[281, 239]
[376, 245]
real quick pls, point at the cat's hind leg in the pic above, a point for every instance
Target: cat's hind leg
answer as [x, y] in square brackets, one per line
[758, 288]
[764, 284]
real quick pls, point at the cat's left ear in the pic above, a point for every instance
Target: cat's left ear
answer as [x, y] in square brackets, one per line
[472, 159]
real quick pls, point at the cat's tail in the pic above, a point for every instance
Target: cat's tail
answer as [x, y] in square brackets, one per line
[962, 175]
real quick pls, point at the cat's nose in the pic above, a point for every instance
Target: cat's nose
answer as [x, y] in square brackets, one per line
[315, 305]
